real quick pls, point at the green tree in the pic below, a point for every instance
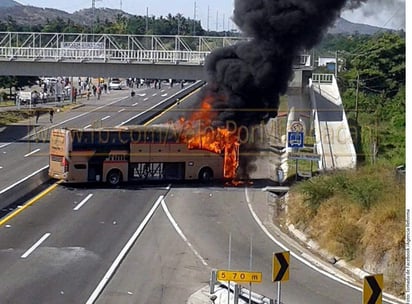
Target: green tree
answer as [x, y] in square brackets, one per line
[373, 90]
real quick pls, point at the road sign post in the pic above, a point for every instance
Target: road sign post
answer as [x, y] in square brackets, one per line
[296, 138]
[238, 276]
[280, 269]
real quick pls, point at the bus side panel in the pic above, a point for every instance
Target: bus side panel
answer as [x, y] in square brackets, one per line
[139, 153]
[159, 153]
[79, 166]
[201, 159]
[174, 171]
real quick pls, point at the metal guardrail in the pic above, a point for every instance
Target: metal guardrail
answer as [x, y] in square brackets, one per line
[114, 48]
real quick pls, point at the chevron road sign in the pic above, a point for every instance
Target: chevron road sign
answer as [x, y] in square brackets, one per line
[372, 289]
[280, 270]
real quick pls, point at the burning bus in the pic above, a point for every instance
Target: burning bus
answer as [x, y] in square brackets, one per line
[135, 153]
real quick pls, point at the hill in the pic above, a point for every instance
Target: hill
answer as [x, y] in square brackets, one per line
[31, 16]
[343, 26]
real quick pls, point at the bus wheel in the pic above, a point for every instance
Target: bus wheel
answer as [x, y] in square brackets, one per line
[114, 177]
[206, 174]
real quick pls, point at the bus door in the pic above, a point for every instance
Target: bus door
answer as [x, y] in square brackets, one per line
[95, 167]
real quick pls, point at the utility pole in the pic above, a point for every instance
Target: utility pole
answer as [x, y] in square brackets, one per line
[93, 14]
[208, 16]
[147, 19]
[217, 20]
[194, 19]
[336, 65]
[356, 99]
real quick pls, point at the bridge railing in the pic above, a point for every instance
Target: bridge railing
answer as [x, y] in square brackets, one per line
[322, 78]
[108, 55]
[115, 41]
[70, 47]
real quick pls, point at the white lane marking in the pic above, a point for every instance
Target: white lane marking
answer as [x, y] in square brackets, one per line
[163, 95]
[5, 145]
[135, 104]
[145, 99]
[22, 180]
[86, 127]
[123, 253]
[1, 167]
[142, 94]
[37, 244]
[82, 202]
[121, 110]
[106, 117]
[154, 94]
[32, 152]
[180, 232]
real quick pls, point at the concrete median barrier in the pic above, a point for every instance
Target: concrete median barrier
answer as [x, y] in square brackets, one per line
[23, 187]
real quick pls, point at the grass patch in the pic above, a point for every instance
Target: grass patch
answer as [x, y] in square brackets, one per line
[357, 215]
[7, 103]
[8, 117]
[13, 116]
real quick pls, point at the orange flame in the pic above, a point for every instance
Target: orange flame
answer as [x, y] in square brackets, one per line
[217, 140]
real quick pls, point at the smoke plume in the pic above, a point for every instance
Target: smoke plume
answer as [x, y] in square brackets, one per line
[246, 79]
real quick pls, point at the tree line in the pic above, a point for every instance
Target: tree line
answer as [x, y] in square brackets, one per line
[122, 24]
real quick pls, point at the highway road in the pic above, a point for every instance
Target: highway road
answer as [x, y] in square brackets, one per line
[145, 243]
[24, 146]
[60, 249]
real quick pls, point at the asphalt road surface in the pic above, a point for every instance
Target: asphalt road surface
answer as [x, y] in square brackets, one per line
[143, 243]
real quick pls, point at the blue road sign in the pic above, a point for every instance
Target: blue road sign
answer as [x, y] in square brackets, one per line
[295, 139]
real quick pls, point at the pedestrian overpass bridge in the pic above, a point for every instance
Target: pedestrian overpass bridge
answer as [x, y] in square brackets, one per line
[111, 55]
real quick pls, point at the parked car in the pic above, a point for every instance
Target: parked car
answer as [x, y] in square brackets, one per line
[115, 84]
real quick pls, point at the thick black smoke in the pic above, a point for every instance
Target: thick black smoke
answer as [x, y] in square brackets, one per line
[246, 80]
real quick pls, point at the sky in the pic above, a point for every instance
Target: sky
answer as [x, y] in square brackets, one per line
[216, 14]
